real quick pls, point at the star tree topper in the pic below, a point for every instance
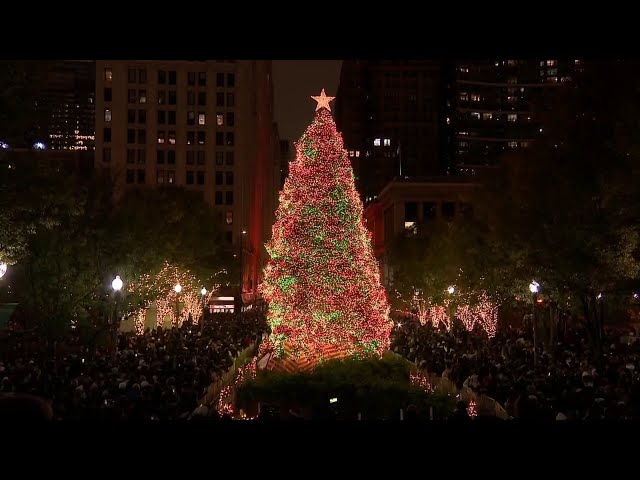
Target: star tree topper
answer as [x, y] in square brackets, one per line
[323, 101]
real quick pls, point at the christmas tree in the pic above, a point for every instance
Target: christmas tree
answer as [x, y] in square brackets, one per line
[322, 281]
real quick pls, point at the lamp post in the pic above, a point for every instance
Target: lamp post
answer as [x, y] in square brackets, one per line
[451, 290]
[244, 232]
[203, 292]
[534, 288]
[177, 288]
[116, 284]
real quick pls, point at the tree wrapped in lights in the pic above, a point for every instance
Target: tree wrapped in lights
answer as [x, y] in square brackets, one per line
[322, 281]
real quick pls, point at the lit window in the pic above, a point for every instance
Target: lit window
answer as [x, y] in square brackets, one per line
[351, 153]
[475, 97]
[464, 96]
[220, 119]
[191, 138]
[108, 74]
[511, 62]
[511, 99]
[552, 79]
[463, 144]
[201, 138]
[229, 218]
[497, 63]
[577, 62]
[171, 177]
[410, 227]
[476, 115]
[512, 117]
[107, 114]
[172, 138]
[512, 144]
[161, 137]
[448, 121]
[376, 142]
[202, 119]
[524, 144]
[357, 153]
[565, 79]
[387, 142]
[551, 63]
[487, 116]
[142, 96]
[552, 71]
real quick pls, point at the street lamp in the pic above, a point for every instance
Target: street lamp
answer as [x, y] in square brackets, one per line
[534, 288]
[116, 284]
[451, 289]
[3, 269]
[177, 288]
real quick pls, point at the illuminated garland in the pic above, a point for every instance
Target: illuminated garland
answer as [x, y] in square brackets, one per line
[225, 405]
[322, 281]
[421, 381]
[471, 409]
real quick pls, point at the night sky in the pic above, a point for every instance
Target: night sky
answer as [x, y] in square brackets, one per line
[294, 83]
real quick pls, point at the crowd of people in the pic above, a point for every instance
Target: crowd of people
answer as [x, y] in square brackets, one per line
[567, 382]
[161, 375]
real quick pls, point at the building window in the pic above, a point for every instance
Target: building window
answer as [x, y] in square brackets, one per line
[142, 117]
[357, 153]
[218, 200]
[387, 142]
[107, 134]
[191, 138]
[229, 178]
[190, 177]
[230, 158]
[162, 117]
[220, 80]
[231, 80]
[171, 177]
[429, 210]
[202, 118]
[191, 78]
[487, 116]
[230, 138]
[162, 77]
[220, 99]
[131, 155]
[552, 79]
[229, 236]
[191, 97]
[351, 153]
[131, 116]
[132, 75]
[231, 119]
[172, 97]
[171, 157]
[191, 118]
[133, 95]
[141, 175]
[200, 157]
[161, 136]
[231, 99]
[162, 97]
[190, 157]
[512, 144]
[202, 79]
[219, 119]
[229, 218]
[160, 176]
[172, 77]
[376, 142]
[475, 97]
[552, 71]
[131, 135]
[200, 177]
[131, 175]
[201, 138]
[172, 137]
[551, 63]
[228, 198]
[475, 115]
[464, 96]
[512, 117]
[202, 98]
[524, 144]
[108, 75]
[463, 144]
[142, 75]
[142, 157]
[160, 157]
[142, 96]
[107, 114]
[171, 117]
[219, 139]
[142, 136]
[220, 158]
[107, 94]
[448, 209]
[106, 154]
[219, 178]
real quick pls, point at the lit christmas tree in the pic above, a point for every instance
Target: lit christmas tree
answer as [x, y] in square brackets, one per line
[322, 281]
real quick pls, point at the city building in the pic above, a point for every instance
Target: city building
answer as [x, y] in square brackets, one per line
[286, 155]
[202, 125]
[391, 115]
[403, 204]
[495, 104]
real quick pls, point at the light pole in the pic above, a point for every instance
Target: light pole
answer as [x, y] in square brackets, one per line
[203, 292]
[451, 290]
[116, 284]
[177, 288]
[534, 288]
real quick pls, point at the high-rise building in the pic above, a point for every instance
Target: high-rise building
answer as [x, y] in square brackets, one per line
[391, 114]
[286, 155]
[202, 125]
[69, 98]
[495, 104]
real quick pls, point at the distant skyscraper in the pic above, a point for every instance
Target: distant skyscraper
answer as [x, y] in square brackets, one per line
[391, 115]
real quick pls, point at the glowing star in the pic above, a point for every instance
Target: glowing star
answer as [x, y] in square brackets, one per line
[323, 101]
